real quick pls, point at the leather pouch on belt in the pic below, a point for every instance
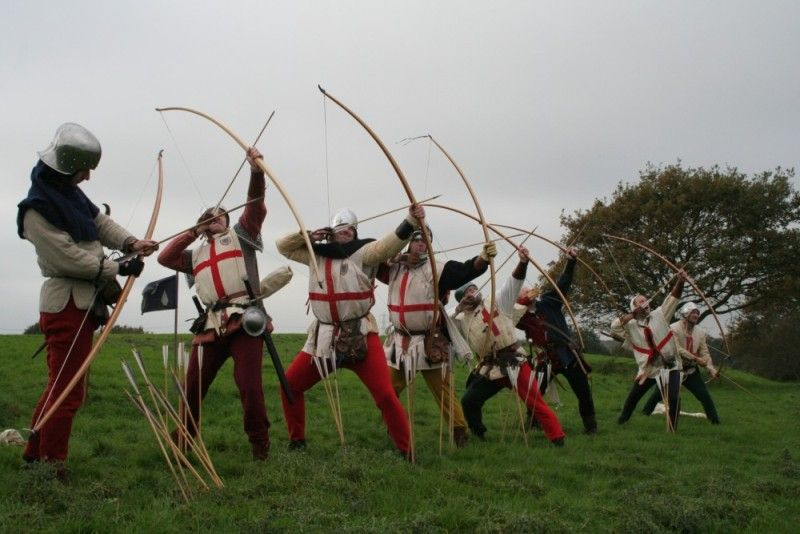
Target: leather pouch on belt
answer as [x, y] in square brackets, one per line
[351, 344]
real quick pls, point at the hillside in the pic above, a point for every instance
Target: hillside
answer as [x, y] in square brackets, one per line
[741, 475]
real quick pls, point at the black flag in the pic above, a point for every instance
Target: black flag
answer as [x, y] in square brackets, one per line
[160, 295]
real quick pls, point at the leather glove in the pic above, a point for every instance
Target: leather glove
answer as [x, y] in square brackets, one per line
[131, 267]
[489, 251]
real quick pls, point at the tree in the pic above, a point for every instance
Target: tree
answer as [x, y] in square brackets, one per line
[123, 329]
[766, 337]
[32, 329]
[117, 329]
[737, 236]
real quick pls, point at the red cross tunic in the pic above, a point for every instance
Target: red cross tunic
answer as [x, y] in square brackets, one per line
[219, 269]
[347, 292]
[663, 340]
[659, 347]
[411, 297]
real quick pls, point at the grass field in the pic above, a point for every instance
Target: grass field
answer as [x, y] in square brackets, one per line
[743, 475]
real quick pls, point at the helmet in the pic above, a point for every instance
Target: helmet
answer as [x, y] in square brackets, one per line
[416, 235]
[74, 149]
[343, 218]
[688, 308]
[254, 321]
[463, 289]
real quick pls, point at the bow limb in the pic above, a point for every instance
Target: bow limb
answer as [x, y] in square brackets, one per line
[270, 175]
[484, 225]
[688, 279]
[531, 260]
[407, 189]
[564, 250]
[123, 297]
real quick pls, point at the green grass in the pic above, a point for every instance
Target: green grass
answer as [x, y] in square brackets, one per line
[741, 475]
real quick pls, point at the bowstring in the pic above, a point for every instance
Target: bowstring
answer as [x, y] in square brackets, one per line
[183, 160]
[66, 358]
[622, 275]
[427, 167]
[508, 259]
[327, 168]
[141, 194]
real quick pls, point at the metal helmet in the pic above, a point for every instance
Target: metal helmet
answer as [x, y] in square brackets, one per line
[254, 321]
[74, 149]
[416, 235]
[688, 308]
[343, 218]
[463, 289]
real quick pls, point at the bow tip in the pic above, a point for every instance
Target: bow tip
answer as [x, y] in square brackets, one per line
[322, 89]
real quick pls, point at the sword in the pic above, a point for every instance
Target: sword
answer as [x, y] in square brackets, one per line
[40, 349]
[200, 309]
[273, 352]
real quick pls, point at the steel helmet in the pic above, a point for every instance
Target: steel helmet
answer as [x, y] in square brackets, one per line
[416, 235]
[74, 149]
[343, 218]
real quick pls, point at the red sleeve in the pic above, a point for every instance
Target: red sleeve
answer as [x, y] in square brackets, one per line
[253, 216]
[174, 255]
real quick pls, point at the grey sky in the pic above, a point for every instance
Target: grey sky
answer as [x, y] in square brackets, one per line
[545, 105]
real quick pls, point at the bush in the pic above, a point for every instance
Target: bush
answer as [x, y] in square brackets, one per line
[122, 329]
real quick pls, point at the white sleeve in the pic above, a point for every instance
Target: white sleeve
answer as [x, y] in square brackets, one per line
[508, 294]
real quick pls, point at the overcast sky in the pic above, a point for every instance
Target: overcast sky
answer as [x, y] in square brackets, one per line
[544, 105]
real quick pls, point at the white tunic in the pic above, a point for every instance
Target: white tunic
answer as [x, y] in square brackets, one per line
[411, 314]
[474, 325]
[411, 300]
[658, 322]
[692, 347]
